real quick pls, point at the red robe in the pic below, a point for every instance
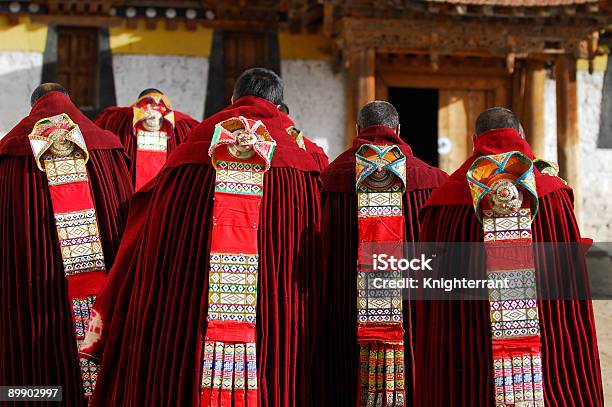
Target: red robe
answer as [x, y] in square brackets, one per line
[312, 148]
[37, 344]
[154, 306]
[119, 121]
[455, 360]
[340, 369]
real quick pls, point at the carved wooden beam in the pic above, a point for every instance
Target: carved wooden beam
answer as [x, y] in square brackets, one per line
[468, 38]
[403, 8]
[329, 19]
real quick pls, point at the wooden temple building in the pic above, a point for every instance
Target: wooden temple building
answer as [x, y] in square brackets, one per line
[441, 62]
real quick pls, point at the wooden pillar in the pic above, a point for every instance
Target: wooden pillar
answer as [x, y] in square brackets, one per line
[533, 120]
[519, 83]
[568, 142]
[360, 87]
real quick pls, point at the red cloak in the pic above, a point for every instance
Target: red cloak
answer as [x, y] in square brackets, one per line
[455, 361]
[119, 121]
[37, 344]
[312, 148]
[153, 308]
[338, 342]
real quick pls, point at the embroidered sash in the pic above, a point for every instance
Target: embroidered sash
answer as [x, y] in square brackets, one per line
[547, 167]
[380, 185]
[298, 136]
[153, 123]
[507, 184]
[60, 152]
[241, 151]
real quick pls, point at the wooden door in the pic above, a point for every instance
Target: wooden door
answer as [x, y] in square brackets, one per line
[457, 115]
[77, 63]
[242, 50]
[462, 97]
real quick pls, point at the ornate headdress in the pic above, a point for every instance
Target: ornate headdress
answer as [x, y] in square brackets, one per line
[153, 106]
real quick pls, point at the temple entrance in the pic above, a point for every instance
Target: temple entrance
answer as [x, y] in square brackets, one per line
[439, 123]
[457, 115]
[418, 111]
[438, 108]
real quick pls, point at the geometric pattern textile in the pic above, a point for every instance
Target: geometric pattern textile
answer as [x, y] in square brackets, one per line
[152, 140]
[60, 151]
[380, 174]
[297, 136]
[547, 167]
[152, 124]
[504, 194]
[241, 151]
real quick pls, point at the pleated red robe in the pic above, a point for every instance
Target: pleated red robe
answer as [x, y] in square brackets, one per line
[154, 307]
[312, 148]
[453, 359]
[37, 344]
[338, 335]
[119, 120]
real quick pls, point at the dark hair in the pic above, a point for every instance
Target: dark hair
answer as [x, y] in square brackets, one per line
[260, 82]
[149, 90]
[497, 118]
[283, 108]
[378, 113]
[45, 88]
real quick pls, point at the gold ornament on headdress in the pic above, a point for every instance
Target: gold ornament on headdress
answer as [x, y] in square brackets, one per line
[58, 137]
[142, 115]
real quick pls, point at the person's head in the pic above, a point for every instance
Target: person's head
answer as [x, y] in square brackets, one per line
[498, 118]
[378, 113]
[259, 82]
[45, 88]
[149, 91]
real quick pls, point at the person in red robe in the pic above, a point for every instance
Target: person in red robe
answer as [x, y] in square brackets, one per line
[312, 148]
[149, 129]
[42, 264]
[378, 124]
[454, 354]
[152, 319]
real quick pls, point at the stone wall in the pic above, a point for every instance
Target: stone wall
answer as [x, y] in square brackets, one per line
[20, 73]
[596, 219]
[596, 168]
[316, 100]
[182, 78]
[313, 92]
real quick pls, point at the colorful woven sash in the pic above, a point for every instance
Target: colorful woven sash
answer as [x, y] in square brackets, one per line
[153, 123]
[241, 151]
[380, 184]
[60, 152]
[297, 136]
[507, 184]
[547, 167]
